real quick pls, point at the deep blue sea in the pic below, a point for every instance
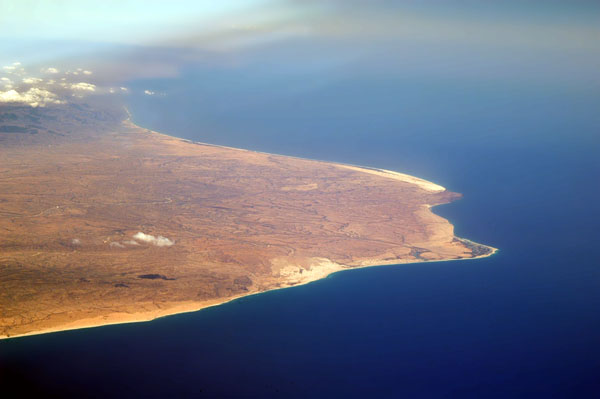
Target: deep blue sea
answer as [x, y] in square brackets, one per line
[523, 323]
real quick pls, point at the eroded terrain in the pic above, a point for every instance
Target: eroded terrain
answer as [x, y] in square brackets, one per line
[105, 222]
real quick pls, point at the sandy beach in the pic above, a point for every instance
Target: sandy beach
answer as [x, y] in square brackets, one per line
[235, 223]
[125, 318]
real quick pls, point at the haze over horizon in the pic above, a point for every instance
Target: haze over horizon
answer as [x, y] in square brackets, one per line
[474, 40]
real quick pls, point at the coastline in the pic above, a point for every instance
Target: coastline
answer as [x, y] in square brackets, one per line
[365, 169]
[193, 307]
[188, 307]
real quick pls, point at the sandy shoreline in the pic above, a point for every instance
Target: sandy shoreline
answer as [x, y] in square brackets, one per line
[195, 307]
[425, 184]
[323, 270]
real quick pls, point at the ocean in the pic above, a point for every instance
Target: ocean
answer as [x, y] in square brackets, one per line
[499, 102]
[522, 323]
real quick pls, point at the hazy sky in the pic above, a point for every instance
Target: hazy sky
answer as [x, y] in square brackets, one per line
[180, 21]
[125, 39]
[113, 21]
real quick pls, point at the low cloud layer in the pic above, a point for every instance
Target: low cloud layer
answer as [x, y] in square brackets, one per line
[82, 86]
[49, 85]
[159, 241]
[14, 67]
[53, 87]
[34, 97]
[50, 70]
[32, 81]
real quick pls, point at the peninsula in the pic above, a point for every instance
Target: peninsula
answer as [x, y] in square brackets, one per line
[104, 222]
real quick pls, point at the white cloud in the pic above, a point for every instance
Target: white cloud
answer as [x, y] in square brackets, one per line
[82, 86]
[34, 97]
[31, 81]
[149, 92]
[131, 242]
[50, 70]
[6, 82]
[159, 241]
[124, 89]
[87, 72]
[10, 96]
[115, 244]
[14, 68]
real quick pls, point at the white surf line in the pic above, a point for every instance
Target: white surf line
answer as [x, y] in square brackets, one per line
[422, 183]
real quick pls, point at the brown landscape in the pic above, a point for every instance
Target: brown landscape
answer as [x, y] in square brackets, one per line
[105, 222]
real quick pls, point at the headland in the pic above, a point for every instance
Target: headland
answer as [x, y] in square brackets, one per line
[105, 222]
